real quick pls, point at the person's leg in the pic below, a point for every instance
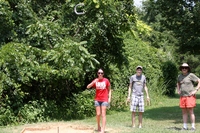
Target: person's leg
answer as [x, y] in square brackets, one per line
[134, 104]
[140, 119]
[183, 105]
[103, 113]
[192, 117]
[98, 117]
[185, 117]
[133, 119]
[98, 114]
[141, 110]
[191, 102]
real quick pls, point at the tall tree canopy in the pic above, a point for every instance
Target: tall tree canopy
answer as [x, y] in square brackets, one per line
[182, 18]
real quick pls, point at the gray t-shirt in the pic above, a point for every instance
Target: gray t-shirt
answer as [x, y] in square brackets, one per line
[186, 83]
[138, 83]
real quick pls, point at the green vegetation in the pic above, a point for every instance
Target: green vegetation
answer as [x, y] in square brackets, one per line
[178, 21]
[49, 54]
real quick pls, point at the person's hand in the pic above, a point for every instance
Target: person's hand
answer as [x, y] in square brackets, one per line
[109, 100]
[128, 100]
[179, 92]
[94, 82]
[193, 92]
[148, 99]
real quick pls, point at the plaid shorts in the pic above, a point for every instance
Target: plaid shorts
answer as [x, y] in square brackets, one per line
[137, 101]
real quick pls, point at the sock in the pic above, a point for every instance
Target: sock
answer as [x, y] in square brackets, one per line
[193, 125]
[184, 125]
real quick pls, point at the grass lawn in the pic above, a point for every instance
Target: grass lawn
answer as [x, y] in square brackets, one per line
[163, 116]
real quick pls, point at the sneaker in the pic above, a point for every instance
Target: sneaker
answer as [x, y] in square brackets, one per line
[193, 128]
[184, 128]
[140, 126]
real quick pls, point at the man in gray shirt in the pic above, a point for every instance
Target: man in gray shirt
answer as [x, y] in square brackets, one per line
[136, 86]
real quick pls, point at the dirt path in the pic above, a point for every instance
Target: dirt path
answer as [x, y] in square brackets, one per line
[60, 127]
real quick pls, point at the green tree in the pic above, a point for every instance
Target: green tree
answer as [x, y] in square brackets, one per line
[102, 25]
[182, 18]
[7, 24]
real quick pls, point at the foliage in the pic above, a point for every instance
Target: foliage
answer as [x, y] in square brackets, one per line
[31, 112]
[82, 104]
[37, 22]
[181, 18]
[170, 73]
[157, 88]
[7, 24]
[7, 116]
[49, 54]
[160, 37]
[28, 73]
[102, 26]
[119, 97]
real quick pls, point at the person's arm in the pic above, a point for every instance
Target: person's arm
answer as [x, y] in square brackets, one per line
[92, 83]
[178, 88]
[147, 93]
[129, 92]
[109, 94]
[197, 88]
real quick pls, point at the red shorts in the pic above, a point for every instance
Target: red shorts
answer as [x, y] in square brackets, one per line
[187, 101]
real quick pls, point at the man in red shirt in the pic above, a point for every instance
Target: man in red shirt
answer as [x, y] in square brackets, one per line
[102, 98]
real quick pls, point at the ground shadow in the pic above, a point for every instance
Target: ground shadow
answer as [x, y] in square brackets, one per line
[171, 112]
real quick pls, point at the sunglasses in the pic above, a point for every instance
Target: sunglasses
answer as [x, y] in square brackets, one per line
[100, 73]
[184, 68]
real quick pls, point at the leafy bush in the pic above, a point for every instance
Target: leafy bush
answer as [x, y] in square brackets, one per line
[170, 73]
[119, 97]
[31, 112]
[7, 116]
[7, 24]
[29, 74]
[82, 104]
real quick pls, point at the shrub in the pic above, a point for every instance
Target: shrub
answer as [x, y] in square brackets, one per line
[7, 116]
[83, 104]
[170, 73]
[119, 97]
[30, 74]
[32, 112]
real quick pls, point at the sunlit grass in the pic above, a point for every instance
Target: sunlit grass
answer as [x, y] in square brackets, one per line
[163, 116]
